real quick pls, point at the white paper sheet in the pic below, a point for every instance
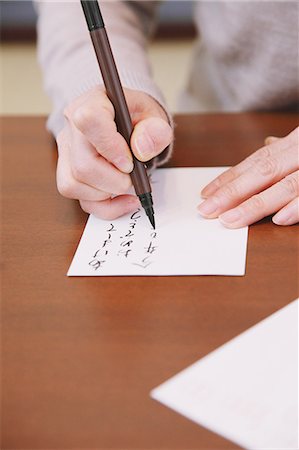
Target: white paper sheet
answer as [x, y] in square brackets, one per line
[247, 390]
[183, 243]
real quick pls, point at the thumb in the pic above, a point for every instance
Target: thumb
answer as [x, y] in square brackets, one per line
[150, 137]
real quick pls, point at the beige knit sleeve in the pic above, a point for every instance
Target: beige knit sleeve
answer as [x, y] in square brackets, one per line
[67, 58]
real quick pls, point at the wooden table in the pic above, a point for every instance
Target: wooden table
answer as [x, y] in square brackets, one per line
[80, 355]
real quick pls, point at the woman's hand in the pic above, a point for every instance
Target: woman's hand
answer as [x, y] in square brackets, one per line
[94, 160]
[266, 182]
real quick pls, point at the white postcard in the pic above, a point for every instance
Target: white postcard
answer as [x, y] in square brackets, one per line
[183, 243]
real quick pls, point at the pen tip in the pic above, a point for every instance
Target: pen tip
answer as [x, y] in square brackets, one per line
[152, 220]
[147, 203]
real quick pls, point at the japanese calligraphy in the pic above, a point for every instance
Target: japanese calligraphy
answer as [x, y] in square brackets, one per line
[99, 257]
[122, 244]
[149, 249]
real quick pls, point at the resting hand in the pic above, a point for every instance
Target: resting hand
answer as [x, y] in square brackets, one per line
[94, 160]
[266, 182]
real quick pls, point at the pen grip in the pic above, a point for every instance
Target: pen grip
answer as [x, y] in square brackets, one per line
[116, 95]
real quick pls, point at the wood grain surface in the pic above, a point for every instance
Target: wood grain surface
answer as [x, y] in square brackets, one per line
[80, 355]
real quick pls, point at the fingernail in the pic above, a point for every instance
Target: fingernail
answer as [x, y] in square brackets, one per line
[145, 146]
[208, 207]
[270, 139]
[123, 163]
[230, 216]
[281, 218]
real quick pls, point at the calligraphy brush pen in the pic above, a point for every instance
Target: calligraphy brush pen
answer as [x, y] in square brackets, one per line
[116, 95]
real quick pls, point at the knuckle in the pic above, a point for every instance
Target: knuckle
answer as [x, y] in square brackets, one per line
[83, 117]
[230, 191]
[81, 171]
[65, 187]
[255, 203]
[291, 185]
[108, 145]
[226, 177]
[267, 166]
[263, 153]
[217, 183]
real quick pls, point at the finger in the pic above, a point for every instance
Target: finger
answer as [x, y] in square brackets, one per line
[269, 151]
[70, 188]
[112, 208]
[90, 168]
[263, 173]
[94, 117]
[289, 215]
[263, 204]
[150, 137]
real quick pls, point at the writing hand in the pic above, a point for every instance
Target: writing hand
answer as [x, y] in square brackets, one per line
[266, 182]
[94, 160]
